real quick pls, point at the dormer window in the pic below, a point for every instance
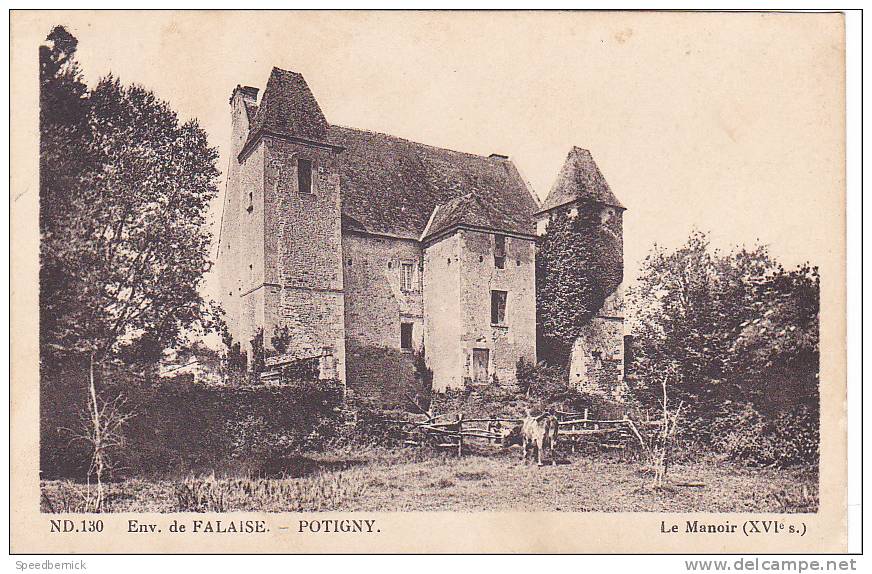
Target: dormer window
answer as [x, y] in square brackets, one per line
[500, 251]
[304, 176]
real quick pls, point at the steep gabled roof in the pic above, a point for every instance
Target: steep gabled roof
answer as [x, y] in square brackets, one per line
[580, 180]
[288, 108]
[464, 210]
[391, 185]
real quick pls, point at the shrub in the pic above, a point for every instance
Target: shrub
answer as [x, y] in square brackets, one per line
[479, 400]
[369, 426]
[308, 369]
[258, 353]
[181, 427]
[539, 388]
[423, 391]
[741, 433]
[546, 388]
[281, 340]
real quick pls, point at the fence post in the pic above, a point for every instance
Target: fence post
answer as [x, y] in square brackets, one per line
[585, 418]
[460, 434]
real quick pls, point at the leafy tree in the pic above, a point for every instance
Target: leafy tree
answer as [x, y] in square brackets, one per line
[579, 263]
[128, 249]
[777, 351]
[730, 328]
[64, 159]
[124, 189]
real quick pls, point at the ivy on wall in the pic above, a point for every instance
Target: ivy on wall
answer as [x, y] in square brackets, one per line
[578, 265]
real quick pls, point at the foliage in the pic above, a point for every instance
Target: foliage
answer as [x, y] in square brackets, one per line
[370, 427]
[540, 387]
[546, 388]
[479, 400]
[281, 340]
[734, 328]
[181, 427]
[258, 353]
[422, 393]
[234, 362]
[307, 369]
[126, 187]
[579, 263]
[788, 438]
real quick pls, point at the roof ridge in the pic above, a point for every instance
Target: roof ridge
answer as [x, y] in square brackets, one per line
[431, 146]
[579, 179]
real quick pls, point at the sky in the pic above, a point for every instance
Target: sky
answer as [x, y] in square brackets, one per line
[728, 123]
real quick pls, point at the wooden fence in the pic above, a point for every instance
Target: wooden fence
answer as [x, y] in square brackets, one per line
[572, 427]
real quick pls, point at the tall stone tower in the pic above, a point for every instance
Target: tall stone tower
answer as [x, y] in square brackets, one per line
[597, 360]
[280, 251]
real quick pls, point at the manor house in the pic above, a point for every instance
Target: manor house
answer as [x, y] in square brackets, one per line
[369, 248]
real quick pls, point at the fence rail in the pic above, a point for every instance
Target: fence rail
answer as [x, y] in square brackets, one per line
[613, 433]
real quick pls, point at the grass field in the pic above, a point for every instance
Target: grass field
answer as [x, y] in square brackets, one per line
[413, 480]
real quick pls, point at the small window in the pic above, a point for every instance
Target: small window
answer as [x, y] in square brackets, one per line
[407, 276]
[304, 175]
[498, 307]
[500, 251]
[406, 335]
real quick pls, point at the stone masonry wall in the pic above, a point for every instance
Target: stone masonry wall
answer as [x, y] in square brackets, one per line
[375, 305]
[241, 249]
[442, 328]
[516, 337]
[303, 251]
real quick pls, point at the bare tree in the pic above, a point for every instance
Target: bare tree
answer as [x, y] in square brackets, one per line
[102, 429]
[662, 443]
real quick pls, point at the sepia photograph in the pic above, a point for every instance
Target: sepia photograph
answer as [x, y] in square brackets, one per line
[582, 264]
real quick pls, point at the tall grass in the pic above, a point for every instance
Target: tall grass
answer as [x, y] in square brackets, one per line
[69, 497]
[322, 491]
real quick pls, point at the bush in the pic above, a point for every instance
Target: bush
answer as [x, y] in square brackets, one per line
[741, 433]
[180, 427]
[539, 388]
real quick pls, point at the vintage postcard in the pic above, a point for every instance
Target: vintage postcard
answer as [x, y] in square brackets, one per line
[440, 282]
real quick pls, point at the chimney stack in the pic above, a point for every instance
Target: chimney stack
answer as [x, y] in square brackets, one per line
[248, 93]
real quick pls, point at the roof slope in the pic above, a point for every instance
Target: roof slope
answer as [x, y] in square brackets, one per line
[580, 179]
[392, 185]
[288, 108]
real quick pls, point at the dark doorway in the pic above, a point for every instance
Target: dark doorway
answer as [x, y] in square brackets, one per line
[479, 365]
